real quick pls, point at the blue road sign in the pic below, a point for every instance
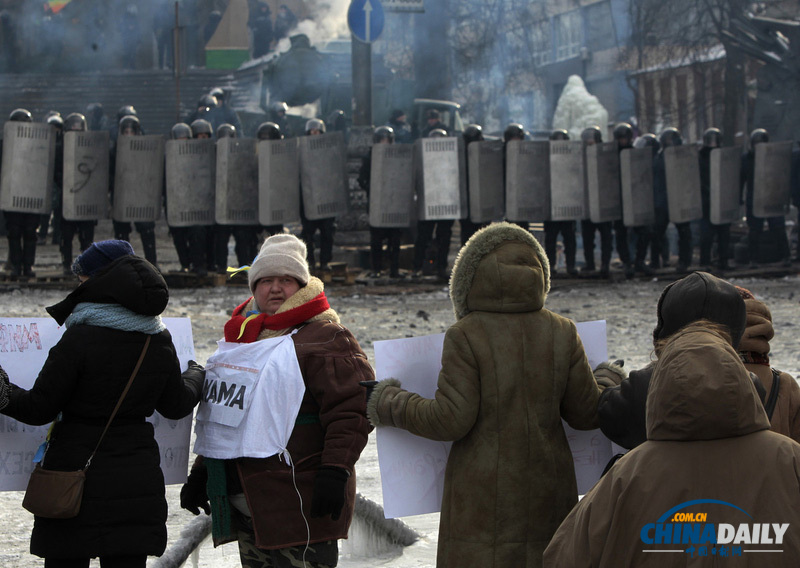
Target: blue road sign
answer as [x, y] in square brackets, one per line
[366, 18]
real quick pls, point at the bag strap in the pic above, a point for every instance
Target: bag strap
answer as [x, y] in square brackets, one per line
[773, 393]
[119, 402]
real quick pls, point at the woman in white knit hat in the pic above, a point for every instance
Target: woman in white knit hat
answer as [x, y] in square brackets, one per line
[265, 502]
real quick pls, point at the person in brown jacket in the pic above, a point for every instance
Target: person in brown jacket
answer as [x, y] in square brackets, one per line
[710, 453]
[511, 370]
[291, 514]
[782, 401]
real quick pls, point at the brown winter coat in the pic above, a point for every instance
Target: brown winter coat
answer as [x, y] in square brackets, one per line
[759, 330]
[511, 370]
[708, 438]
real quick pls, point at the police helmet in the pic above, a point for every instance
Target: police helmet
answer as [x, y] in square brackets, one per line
[514, 131]
[559, 134]
[180, 131]
[20, 115]
[51, 113]
[315, 124]
[201, 126]
[269, 131]
[712, 138]
[130, 122]
[473, 133]
[670, 137]
[337, 120]
[218, 93]
[126, 110]
[278, 107]
[437, 133]
[648, 141]
[207, 101]
[57, 121]
[592, 135]
[75, 122]
[623, 134]
[758, 136]
[383, 133]
[226, 130]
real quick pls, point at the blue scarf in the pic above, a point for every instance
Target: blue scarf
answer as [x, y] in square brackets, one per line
[114, 316]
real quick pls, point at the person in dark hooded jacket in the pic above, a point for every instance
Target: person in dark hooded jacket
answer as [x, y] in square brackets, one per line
[699, 295]
[709, 451]
[123, 513]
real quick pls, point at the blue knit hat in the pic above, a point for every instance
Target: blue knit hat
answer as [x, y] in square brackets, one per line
[100, 255]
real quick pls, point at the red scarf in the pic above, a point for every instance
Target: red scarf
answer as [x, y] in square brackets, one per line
[284, 320]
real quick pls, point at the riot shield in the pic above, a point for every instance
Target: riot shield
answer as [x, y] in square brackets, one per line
[237, 182]
[724, 185]
[636, 178]
[191, 182]
[27, 167]
[567, 179]
[391, 186]
[440, 173]
[772, 179]
[486, 192]
[683, 183]
[85, 189]
[323, 175]
[278, 182]
[528, 181]
[602, 182]
[138, 178]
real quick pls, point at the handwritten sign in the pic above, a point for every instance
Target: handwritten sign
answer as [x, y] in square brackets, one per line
[24, 346]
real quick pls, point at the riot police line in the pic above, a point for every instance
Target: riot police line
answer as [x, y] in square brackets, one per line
[272, 182]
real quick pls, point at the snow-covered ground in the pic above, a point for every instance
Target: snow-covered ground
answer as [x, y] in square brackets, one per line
[629, 308]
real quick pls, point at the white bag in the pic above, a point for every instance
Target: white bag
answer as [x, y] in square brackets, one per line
[251, 396]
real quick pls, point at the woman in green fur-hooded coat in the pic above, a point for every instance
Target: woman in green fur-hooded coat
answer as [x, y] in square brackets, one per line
[511, 370]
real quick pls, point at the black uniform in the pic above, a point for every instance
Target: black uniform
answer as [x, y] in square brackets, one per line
[377, 235]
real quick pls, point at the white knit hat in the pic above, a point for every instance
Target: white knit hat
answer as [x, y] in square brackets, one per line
[280, 254]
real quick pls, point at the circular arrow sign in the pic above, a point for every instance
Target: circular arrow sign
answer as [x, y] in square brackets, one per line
[365, 19]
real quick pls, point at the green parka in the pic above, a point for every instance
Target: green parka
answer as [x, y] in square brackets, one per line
[511, 370]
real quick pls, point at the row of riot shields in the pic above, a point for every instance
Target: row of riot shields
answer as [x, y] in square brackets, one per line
[234, 181]
[564, 181]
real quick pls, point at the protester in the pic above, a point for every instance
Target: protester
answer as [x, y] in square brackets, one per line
[699, 295]
[123, 513]
[782, 401]
[291, 511]
[511, 370]
[709, 451]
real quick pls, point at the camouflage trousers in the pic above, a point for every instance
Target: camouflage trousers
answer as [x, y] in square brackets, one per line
[317, 555]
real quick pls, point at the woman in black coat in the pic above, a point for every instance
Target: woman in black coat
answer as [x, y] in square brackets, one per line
[123, 512]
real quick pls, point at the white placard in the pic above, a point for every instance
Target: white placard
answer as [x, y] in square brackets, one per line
[412, 468]
[24, 346]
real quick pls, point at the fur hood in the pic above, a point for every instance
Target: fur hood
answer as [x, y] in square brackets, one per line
[485, 278]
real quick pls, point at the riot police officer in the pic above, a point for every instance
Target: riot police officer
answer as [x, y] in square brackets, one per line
[222, 112]
[591, 136]
[566, 228]
[270, 131]
[776, 226]
[425, 233]
[21, 227]
[277, 113]
[55, 120]
[712, 138]
[623, 135]
[326, 226]
[377, 235]
[643, 233]
[513, 131]
[433, 121]
[129, 126]
[186, 239]
[74, 122]
[472, 133]
[113, 129]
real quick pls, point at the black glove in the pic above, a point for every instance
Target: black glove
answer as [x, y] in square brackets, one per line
[329, 492]
[370, 386]
[194, 376]
[5, 389]
[193, 493]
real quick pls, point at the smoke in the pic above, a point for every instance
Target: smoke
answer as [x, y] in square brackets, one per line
[577, 109]
[327, 20]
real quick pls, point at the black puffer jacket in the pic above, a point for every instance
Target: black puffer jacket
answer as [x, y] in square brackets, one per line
[123, 510]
